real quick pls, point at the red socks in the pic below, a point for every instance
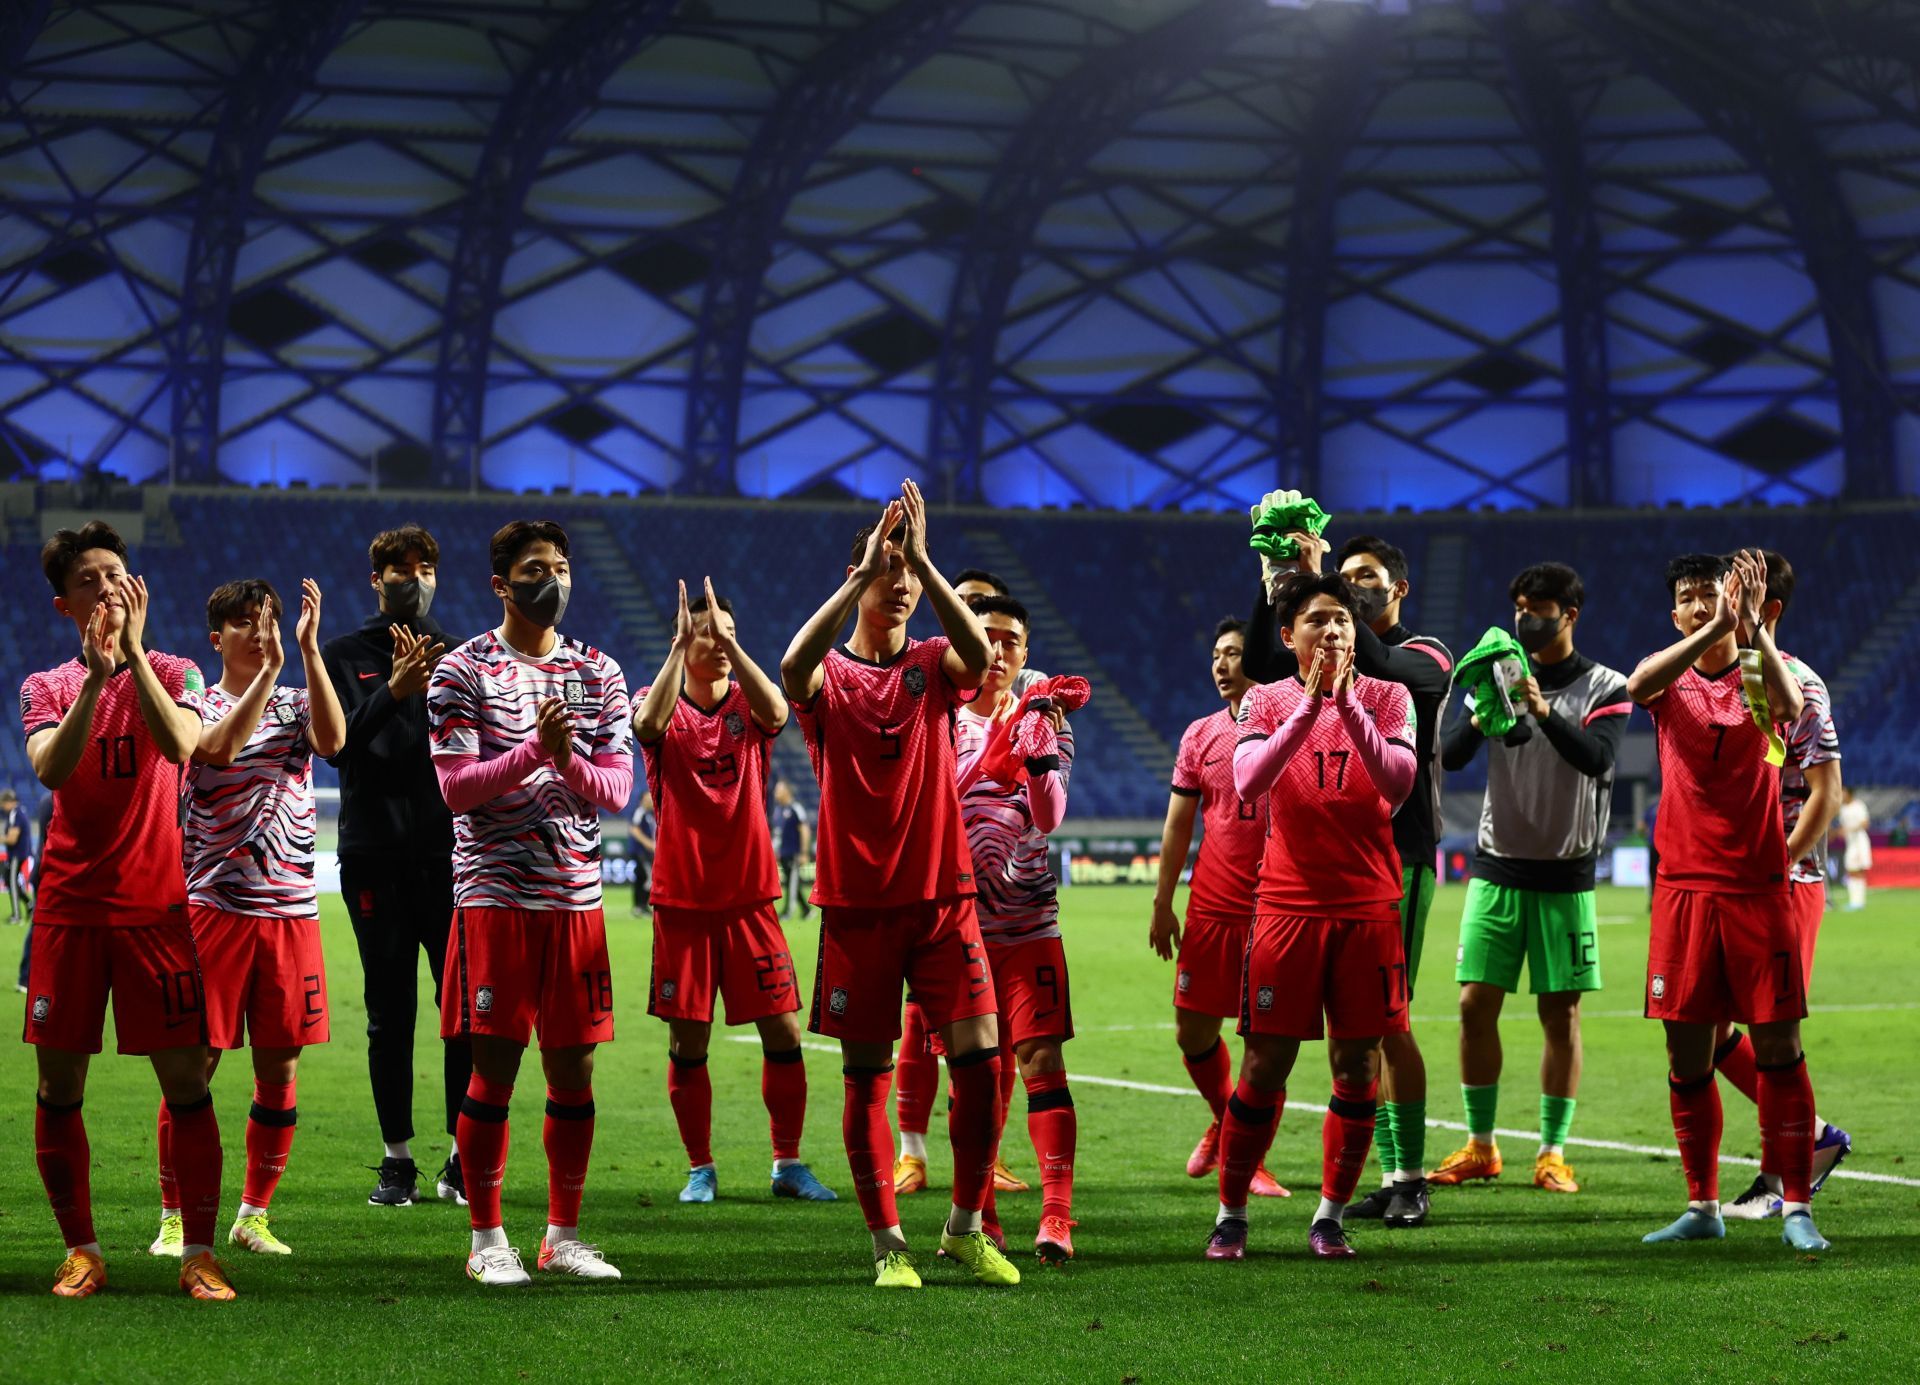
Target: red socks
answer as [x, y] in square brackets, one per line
[568, 1136]
[270, 1127]
[1786, 1128]
[1735, 1062]
[66, 1168]
[975, 1125]
[1346, 1133]
[863, 1125]
[783, 1086]
[1055, 1130]
[482, 1133]
[918, 1074]
[196, 1167]
[1212, 1073]
[163, 1148]
[690, 1090]
[1246, 1134]
[1696, 1125]
[1009, 1076]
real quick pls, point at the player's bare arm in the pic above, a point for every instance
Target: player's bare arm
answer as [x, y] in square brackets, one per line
[1176, 839]
[1784, 698]
[327, 723]
[56, 752]
[1658, 672]
[655, 712]
[221, 740]
[175, 729]
[764, 699]
[969, 653]
[1823, 803]
[800, 675]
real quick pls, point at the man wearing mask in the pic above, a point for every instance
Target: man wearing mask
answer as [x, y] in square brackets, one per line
[1532, 893]
[396, 844]
[1376, 573]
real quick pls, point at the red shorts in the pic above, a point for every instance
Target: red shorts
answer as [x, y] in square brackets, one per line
[264, 977]
[512, 971]
[1030, 982]
[1213, 953]
[152, 973]
[1809, 909]
[1715, 957]
[741, 955]
[1301, 965]
[867, 955]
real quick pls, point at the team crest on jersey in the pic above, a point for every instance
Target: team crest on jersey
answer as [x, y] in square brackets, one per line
[736, 726]
[916, 680]
[1185, 982]
[837, 1002]
[1264, 1000]
[283, 714]
[574, 691]
[42, 1007]
[483, 1000]
[1658, 987]
[667, 988]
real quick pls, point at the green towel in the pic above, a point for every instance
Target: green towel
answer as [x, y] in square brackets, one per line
[1277, 521]
[1489, 671]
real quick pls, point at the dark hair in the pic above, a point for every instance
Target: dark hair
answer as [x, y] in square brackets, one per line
[391, 546]
[1229, 626]
[511, 540]
[63, 550]
[237, 598]
[1555, 582]
[1780, 578]
[1694, 567]
[1391, 558]
[1001, 606]
[980, 574]
[1301, 587]
[699, 604]
[865, 532]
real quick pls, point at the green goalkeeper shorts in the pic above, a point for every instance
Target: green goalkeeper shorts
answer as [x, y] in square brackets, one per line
[1557, 935]
[1416, 898]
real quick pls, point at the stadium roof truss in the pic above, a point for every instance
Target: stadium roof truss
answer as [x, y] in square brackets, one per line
[1034, 252]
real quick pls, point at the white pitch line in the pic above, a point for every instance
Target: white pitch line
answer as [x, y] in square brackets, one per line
[1616, 1146]
[1515, 1017]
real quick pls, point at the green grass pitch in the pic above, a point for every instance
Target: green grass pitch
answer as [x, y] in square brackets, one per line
[1504, 1283]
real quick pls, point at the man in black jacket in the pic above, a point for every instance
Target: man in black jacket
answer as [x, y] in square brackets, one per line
[396, 844]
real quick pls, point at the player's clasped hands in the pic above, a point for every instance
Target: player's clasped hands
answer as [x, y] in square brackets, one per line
[1331, 670]
[307, 630]
[554, 724]
[413, 659]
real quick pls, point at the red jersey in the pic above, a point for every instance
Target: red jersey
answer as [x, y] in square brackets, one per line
[708, 774]
[1232, 833]
[113, 850]
[881, 737]
[1720, 825]
[1330, 844]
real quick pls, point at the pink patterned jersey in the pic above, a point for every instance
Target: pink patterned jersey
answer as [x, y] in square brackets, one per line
[249, 834]
[1810, 741]
[1233, 833]
[537, 845]
[1018, 891]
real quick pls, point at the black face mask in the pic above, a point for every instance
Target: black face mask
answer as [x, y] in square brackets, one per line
[408, 600]
[542, 602]
[1535, 633]
[1369, 603]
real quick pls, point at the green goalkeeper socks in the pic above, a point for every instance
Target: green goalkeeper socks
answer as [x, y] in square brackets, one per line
[1556, 1119]
[1409, 1135]
[1483, 1104]
[1384, 1143]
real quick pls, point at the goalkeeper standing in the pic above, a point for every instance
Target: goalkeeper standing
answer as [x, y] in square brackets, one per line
[1531, 897]
[1376, 572]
